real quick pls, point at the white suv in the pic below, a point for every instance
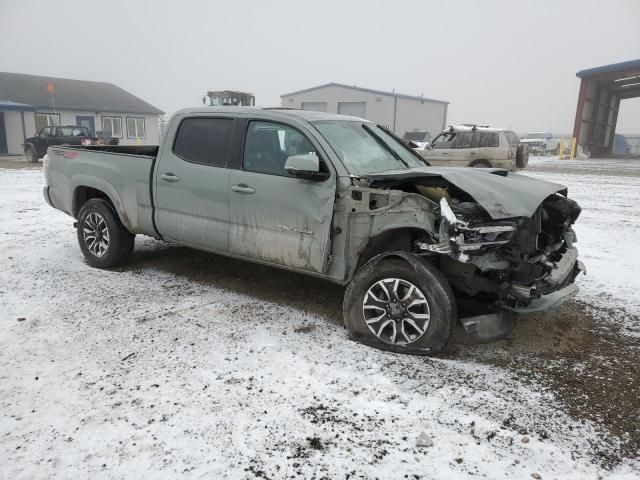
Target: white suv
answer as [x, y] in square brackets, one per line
[477, 146]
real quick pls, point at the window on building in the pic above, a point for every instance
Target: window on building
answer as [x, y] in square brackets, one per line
[204, 140]
[112, 125]
[46, 120]
[135, 127]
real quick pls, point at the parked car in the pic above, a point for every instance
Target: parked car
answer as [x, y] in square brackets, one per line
[541, 143]
[36, 147]
[418, 139]
[339, 198]
[476, 146]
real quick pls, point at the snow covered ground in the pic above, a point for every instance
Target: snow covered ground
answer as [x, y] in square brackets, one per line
[147, 373]
[608, 230]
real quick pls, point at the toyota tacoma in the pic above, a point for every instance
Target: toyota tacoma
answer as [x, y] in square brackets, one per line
[419, 248]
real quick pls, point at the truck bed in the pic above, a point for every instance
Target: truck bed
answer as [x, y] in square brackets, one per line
[144, 150]
[123, 173]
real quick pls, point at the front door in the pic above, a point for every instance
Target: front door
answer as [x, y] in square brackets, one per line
[85, 121]
[276, 217]
[192, 183]
[3, 135]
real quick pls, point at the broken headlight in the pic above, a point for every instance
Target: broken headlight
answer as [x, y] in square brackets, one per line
[476, 237]
[473, 236]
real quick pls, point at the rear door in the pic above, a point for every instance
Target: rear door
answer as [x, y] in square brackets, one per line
[275, 217]
[490, 150]
[460, 155]
[192, 182]
[45, 137]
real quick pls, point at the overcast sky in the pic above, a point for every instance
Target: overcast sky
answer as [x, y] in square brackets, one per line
[505, 63]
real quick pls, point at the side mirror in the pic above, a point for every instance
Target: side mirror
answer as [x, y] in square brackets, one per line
[305, 166]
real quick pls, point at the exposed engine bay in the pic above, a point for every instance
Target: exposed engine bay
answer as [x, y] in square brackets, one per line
[511, 263]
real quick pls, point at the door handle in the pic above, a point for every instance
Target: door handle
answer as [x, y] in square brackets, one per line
[243, 188]
[472, 153]
[169, 177]
[445, 153]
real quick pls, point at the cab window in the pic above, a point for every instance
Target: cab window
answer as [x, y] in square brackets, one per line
[464, 140]
[444, 140]
[204, 140]
[268, 145]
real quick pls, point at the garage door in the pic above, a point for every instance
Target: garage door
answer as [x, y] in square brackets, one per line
[315, 106]
[357, 109]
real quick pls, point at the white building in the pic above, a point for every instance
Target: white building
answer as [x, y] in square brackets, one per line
[398, 112]
[27, 106]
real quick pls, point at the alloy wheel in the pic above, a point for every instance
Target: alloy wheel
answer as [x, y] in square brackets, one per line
[96, 234]
[396, 311]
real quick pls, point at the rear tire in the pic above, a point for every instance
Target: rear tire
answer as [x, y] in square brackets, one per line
[104, 241]
[31, 155]
[400, 329]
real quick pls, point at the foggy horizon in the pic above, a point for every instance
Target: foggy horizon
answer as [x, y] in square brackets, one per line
[496, 62]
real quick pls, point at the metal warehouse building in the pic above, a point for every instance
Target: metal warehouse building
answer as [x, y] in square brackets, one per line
[601, 91]
[400, 113]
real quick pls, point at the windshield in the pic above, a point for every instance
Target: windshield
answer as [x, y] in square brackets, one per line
[535, 135]
[417, 136]
[366, 148]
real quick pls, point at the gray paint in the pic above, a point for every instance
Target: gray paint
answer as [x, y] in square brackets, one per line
[326, 226]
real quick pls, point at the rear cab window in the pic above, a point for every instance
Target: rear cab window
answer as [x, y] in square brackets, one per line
[204, 140]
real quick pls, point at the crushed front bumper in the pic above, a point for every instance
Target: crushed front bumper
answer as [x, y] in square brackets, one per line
[557, 287]
[550, 301]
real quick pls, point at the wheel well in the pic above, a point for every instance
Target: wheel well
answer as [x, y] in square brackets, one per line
[480, 161]
[392, 240]
[84, 194]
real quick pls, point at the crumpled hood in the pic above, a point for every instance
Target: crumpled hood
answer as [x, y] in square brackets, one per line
[501, 193]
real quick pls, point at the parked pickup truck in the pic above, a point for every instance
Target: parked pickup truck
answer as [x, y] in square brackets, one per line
[336, 197]
[36, 147]
[542, 143]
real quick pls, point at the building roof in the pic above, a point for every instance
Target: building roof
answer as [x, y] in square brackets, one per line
[367, 90]
[611, 68]
[71, 94]
[10, 105]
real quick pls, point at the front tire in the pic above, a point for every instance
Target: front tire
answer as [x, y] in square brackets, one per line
[104, 241]
[31, 155]
[401, 306]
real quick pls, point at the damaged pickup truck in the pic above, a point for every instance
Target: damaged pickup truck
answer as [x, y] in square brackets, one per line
[418, 247]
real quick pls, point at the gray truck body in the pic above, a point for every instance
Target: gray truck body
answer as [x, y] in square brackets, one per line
[327, 227]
